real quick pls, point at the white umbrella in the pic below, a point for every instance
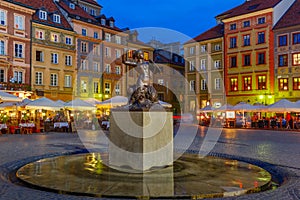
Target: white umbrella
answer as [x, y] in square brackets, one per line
[225, 107]
[207, 109]
[44, 103]
[283, 105]
[80, 105]
[114, 101]
[62, 103]
[5, 97]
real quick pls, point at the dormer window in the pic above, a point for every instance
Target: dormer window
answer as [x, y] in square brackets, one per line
[72, 6]
[111, 23]
[56, 18]
[43, 15]
[84, 8]
[93, 12]
[103, 22]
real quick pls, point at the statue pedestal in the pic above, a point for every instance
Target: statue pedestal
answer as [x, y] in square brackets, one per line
[140, 140]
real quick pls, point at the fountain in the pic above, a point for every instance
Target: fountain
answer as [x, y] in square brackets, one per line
[140, 161]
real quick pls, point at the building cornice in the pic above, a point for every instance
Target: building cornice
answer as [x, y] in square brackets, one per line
[248, 15]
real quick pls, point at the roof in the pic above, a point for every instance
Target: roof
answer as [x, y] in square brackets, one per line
[249, 7]
[78, 11]
[291, 17]
[51, 8]
[93, 2]
[162, 56]
[215, 32]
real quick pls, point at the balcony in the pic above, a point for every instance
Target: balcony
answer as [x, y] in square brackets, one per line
[15, 86]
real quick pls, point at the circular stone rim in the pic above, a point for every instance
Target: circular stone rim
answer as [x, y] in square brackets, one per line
[258, 189]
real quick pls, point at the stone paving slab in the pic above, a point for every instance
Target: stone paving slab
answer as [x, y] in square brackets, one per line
[277, 151]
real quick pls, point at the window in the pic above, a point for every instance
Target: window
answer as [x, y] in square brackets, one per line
[217, 47]
[2, 47]
[217, 83]
[96, 67]
[54, 37]
[72, 5]
[56, 18]
[232, 26]
[18, 76]
[84, 8]
[282, 40]
[68, 60]
[203, 48]
[202, 64]
[53, 79]
[283, 84]
[232, 42]
[83, 64]
[247, 83]
[107, 88]
[96, 35]
[261, 82]
[39, 56]
[38, 78]
[296, 83]
[107, 52]
[68, 40]
[39, 34]
[261, 20]
[3, 17]
[117, 89]
[118, 39]
[93, 12]
[83, 32]
[111, 23]
[68, 81]
[19, 50]
[19, 22]
[261, 58]
[282, 60]
[146, 56]
[296, 59]
[118, 70]
[160, 81]
[192, 50]
[43, 15]
[54, 58]
[107, 37]
[233, 84]
[247, 60]
[96, 87]
[246, 40]
[192, 86]
[203, 84]
[217, 64]
[83, 47]
[2, 75]
[118, 53]
[260, 37]
[296, 38]
[233, 62]
[192, 66]
[83, 86]
[246, 24]
[103, 22]
[107, 68]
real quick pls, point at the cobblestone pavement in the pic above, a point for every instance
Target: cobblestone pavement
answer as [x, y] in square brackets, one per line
[275, 151]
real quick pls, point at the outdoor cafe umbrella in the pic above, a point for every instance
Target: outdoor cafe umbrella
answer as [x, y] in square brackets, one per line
[80, 105]
[283, 106]
[6, 97]
[44, 103]
[207, 108]
[114, 101]
[224, 108]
